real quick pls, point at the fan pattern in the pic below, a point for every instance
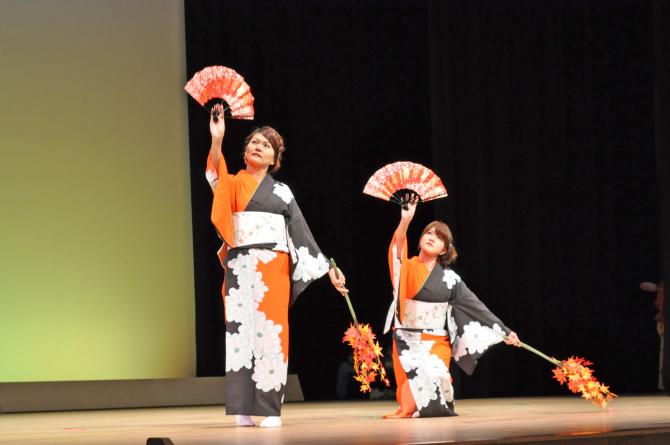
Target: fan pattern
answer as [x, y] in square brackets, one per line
[220, 82]
[405, 176]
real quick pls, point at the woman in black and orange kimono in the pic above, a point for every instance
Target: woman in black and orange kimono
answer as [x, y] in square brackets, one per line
[269, 257]
[435, 316]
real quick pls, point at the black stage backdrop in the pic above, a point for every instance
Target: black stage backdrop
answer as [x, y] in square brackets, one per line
[661, 15]
[539, 117]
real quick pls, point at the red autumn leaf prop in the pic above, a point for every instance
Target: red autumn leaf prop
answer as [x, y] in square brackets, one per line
[367, 355]
[575, 372]
[365, 348]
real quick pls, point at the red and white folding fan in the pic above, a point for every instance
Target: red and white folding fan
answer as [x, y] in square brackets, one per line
[402, 182]
[219, 83]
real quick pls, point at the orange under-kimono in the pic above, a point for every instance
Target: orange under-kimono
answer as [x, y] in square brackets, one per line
[270, 257]
[432, 312]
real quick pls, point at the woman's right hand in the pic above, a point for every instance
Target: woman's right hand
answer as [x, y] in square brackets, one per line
[407, 210]
[339, 280]
[513, 339]
[217, 124]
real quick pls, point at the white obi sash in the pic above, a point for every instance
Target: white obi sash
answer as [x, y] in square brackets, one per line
[424, 315]
[260, 228]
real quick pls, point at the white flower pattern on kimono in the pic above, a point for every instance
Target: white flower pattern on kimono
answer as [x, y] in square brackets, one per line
[432, 374]
[424, 389]
[415, 355]
[266, 341]
[308, 267]
[477, 338]
[238, 352]
[263, 255]
[283, 192]
[446, 389]
[249, 280]
[252, 284]
[433, 367]
[245, 333]
[242, 266]
[270, 373]
[257, 336]
[451, 278]
[238, 306]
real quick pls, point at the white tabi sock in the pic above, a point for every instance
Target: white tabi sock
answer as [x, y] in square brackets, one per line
[270, 422]
[242, 420]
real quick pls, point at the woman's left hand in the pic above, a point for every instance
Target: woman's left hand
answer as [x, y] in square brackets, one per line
[338, 279]
[513, 339]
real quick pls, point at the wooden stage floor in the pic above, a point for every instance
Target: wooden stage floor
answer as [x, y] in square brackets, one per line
[554, 420]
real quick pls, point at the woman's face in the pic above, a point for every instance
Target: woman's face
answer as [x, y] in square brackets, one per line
[431, 244]
[259, 152]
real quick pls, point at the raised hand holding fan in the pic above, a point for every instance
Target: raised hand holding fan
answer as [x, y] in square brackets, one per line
[217, 84]
[405, 182]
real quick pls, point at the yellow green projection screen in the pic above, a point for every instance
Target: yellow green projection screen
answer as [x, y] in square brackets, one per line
[96, 277]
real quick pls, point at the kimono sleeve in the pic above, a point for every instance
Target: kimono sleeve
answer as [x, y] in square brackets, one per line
[211, 173]
[477, 328]
[396, 262]
[222, 184]
[308, 263]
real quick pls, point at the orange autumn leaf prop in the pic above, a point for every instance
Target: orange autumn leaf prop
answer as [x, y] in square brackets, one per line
[366, 350]
[367, 355]
[575, 372]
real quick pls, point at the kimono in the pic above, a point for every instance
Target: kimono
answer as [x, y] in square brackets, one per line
[435, 317]
[269, 257]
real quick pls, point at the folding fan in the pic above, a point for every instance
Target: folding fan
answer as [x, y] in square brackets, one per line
[403, 182]
[214, 84]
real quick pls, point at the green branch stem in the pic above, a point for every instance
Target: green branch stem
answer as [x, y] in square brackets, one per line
[539, 353]
[346, 294]
[351, 309]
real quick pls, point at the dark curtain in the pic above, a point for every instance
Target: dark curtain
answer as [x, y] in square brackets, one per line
[662, 111]
[542, 123]
[537, 115]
